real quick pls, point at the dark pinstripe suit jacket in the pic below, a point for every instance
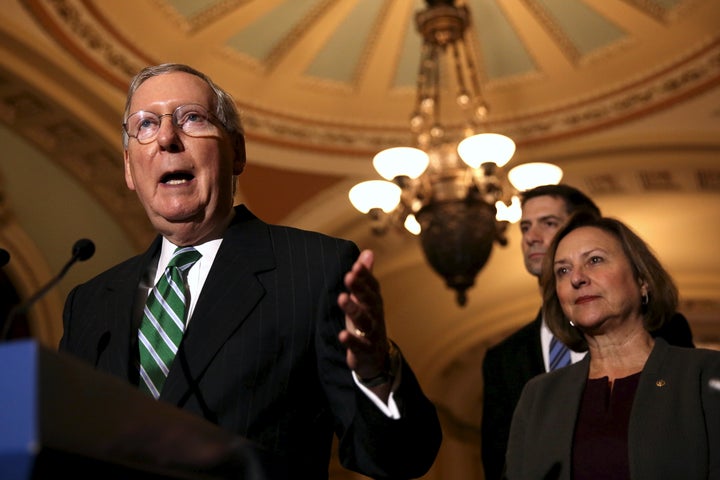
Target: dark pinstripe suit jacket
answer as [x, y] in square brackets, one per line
[674, 430]
[261, 357]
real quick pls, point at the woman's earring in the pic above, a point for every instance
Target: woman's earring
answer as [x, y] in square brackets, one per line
[644, 299]
[571, 323]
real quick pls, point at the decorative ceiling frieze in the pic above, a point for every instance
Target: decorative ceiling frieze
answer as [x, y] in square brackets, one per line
[72, 146]
[86, 30]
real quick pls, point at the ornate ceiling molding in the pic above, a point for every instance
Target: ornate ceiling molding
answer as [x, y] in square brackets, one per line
[83, 29]
[68, 142]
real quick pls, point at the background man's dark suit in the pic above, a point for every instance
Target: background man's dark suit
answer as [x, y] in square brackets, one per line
[509, 365]
[262, 329]
[506, 369]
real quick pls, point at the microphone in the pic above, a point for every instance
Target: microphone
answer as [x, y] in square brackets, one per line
[82, 250]
[4, 257]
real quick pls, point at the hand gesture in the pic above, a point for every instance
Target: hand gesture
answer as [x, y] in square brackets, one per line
[364, 336]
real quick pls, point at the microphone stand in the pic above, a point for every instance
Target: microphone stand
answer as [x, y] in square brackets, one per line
[82, 250]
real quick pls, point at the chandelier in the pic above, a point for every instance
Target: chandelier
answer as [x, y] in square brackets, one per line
[449, 188]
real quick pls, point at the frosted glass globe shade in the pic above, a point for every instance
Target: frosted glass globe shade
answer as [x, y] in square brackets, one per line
[486, 148]
[375, 194]
[531, 175]
[396, 161]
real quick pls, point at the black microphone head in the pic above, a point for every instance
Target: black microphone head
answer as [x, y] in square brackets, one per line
[83, 249]
[4, 257]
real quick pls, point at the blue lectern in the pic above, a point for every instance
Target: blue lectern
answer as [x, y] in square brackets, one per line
[59, 416]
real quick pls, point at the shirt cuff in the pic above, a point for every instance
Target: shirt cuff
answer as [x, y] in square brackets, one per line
[392, 374]
[391, 409]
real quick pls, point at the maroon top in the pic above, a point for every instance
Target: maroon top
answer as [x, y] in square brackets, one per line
[600, 446]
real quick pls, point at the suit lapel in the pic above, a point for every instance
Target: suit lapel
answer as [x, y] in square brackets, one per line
[229, 295]
[118, 324]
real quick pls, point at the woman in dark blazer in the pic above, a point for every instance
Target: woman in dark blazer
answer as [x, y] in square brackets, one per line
[634, 407]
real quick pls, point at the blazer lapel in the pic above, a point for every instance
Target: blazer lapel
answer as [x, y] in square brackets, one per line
[116, 334]
[229, 295]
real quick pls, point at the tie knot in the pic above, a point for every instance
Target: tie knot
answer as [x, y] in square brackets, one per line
[184, 258]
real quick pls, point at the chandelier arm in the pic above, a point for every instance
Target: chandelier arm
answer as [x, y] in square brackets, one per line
[436, 129]
[379, 221]
[474, 72]
[459, 72]
[424, 77]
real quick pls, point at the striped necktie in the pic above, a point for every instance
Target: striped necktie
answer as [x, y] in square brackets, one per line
[559, 354]
[163, 321]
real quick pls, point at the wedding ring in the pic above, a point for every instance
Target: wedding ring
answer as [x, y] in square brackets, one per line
[359, 332]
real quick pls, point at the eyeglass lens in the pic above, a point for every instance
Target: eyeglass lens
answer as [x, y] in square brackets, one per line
[192, 119]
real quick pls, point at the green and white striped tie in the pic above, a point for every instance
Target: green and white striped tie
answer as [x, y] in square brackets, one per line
[163, 321]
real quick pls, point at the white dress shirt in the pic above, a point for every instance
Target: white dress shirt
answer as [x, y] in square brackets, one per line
[545, 337]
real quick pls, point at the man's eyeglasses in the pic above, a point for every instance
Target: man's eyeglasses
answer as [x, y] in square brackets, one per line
[192, 119]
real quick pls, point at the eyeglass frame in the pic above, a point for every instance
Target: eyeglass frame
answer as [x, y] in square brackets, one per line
[211, 118]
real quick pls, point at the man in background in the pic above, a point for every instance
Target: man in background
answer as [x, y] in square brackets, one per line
[532, 350]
